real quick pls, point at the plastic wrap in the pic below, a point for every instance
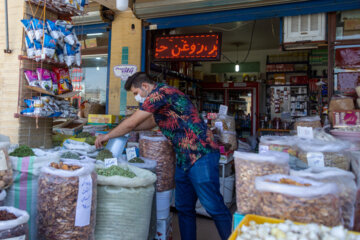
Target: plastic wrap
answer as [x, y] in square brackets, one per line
[16, 228]
[313, 122]
[316, 202]
[148, 164]
[67, 203]
[124, 205]
[224, 123]
[250, 165]
[346, 183]
[157, 147]
[230, 138]
[317, 153]
[6, 172]
[355, 166]
[2, 197]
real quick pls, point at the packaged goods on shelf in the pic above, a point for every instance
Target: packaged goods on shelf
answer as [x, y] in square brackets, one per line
[346, 184]
[313, 122]
[224, 123]
[278, 143]
[317, 153]
[70, 215]
[248, 166]
[298, 199]
[14, 223]
[123, 201]
[25, 184]
[157, 147]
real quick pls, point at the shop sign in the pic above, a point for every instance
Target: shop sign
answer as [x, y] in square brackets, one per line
[190, 47]
[124, 71]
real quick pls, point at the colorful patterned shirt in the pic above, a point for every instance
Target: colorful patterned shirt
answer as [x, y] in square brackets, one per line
[180, 122]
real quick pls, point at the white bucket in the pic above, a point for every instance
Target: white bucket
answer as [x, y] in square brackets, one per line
[163, 201]
[228, 190]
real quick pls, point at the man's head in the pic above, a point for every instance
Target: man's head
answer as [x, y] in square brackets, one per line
[140, 84]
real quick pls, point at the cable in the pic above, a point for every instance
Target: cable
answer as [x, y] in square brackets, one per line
[251, 40]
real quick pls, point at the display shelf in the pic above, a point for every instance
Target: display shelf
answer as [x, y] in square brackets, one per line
[305, 71]
[46, 61]
[161, 69]
[18, 115]
[58, 8]
[62, 96]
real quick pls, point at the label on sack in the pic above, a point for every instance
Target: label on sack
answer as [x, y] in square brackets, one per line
[131, 153]
[315, 159]
[3, 164]
[219, 125]
[305, 132]
[23, 237]
[110, 162]
[83, 205]
[223, 110]
[263, 148]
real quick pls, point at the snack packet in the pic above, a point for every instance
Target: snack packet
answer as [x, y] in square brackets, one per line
[69, 54]
[44, 78]
[29, 30]
[38, 26]
[38, 49]
[55, 88]
[32, 78]
[53, 30]
[49, 46]
[78, 55]
[64, 82]
[60, 54]
[30, 48]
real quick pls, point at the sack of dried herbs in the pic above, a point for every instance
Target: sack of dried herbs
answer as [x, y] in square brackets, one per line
[125, 197]
[67, 201]
[13, 223]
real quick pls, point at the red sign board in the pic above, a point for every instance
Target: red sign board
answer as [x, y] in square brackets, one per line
[347, 57]
[194, 47]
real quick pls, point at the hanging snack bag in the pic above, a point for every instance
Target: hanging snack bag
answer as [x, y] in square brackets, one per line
[38, 49]
[78, 55]
[53, 30]
[69, 55]
[44, 77]
[30, 47]
[32, 78]
[55, 88]
[49, 46]
[38, 26]
[60, 54]
[28, 27]
[64, 82]
[66, 30]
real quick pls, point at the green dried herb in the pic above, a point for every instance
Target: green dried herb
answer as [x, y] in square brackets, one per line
[103, 154]
[22, 151]
[90, 140]
[84, 135]
[70, 155]
[136, 160]
[115, 171]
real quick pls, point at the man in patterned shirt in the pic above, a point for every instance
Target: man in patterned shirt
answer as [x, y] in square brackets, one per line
[197, 166]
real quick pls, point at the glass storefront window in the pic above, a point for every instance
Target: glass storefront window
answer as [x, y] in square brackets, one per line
[348, 25]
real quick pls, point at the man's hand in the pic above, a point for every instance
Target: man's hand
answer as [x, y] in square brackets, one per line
[100, 139]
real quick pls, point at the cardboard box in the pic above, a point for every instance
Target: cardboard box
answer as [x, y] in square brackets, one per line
[71, 127]
[346, 118]
[103, 118]
[164, 229]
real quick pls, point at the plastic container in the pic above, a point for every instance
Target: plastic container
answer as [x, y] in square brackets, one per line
[117, 146]
[261, 220]
[163, 202]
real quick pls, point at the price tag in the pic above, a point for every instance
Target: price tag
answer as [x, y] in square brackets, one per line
[219, 125]
[223, 110]
[315, 159]
[110, 162]
[3, 164]
[263, 148]
[305, 132]
[131, 153]
[83, 205]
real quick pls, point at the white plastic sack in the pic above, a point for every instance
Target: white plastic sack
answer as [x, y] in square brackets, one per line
[346, 183]
[17, 228]
[78, 146]
[23, 193]
[123, 202]
[230, 138]
[314, 202]
[148, 164]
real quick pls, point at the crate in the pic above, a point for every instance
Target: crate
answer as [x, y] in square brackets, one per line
[237, 218]
[71, 127]
[261, 220]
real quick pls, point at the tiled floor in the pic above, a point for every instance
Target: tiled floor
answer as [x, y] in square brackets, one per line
[206, 229]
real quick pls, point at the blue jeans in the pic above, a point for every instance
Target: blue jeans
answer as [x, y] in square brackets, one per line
[201, 181]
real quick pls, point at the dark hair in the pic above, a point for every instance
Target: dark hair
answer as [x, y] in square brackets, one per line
[137, 79]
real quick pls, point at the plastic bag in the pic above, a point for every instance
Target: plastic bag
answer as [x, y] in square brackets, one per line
[250, 165]
[309, 201]
[30, 48]
[67, 203]
[15, 228]
[346, 183]
[38, 50]
[230, 138]
[64, 82]
[122, 202]
[29, 30]
[148, 164]
[78, 55]
[313, 122]
[355, 166]
[69, 54]
[54, 79]
[2, 197]
[49, 46]
[25, 186]
[53, 29]
[44, 77]
[224, 123]
[157, 147]
[6, 172]
[317, 153]
[38, 26]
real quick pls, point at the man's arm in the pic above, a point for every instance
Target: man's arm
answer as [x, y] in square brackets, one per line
[148, 124]
[124, 127]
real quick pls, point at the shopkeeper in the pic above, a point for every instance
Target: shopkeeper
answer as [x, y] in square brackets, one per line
[197, 170]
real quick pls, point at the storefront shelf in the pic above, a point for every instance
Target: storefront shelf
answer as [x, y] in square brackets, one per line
[62, 96]
[46, 61]
[60, 9]
[18, 115]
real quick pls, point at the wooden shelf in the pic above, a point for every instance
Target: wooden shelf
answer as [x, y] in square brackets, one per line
[60, 8]
[62, 96]
[46, 61]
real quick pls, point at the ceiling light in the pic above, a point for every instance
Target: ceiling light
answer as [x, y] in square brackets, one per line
[98, 68]
[98, 58]
[237, 67]
[94, 34]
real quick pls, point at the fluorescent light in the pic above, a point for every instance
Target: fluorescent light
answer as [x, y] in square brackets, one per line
[94, 34]
[97, 68]
[98, 58]
[237, 67]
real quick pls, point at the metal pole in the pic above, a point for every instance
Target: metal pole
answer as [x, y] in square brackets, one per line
[7, 50]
